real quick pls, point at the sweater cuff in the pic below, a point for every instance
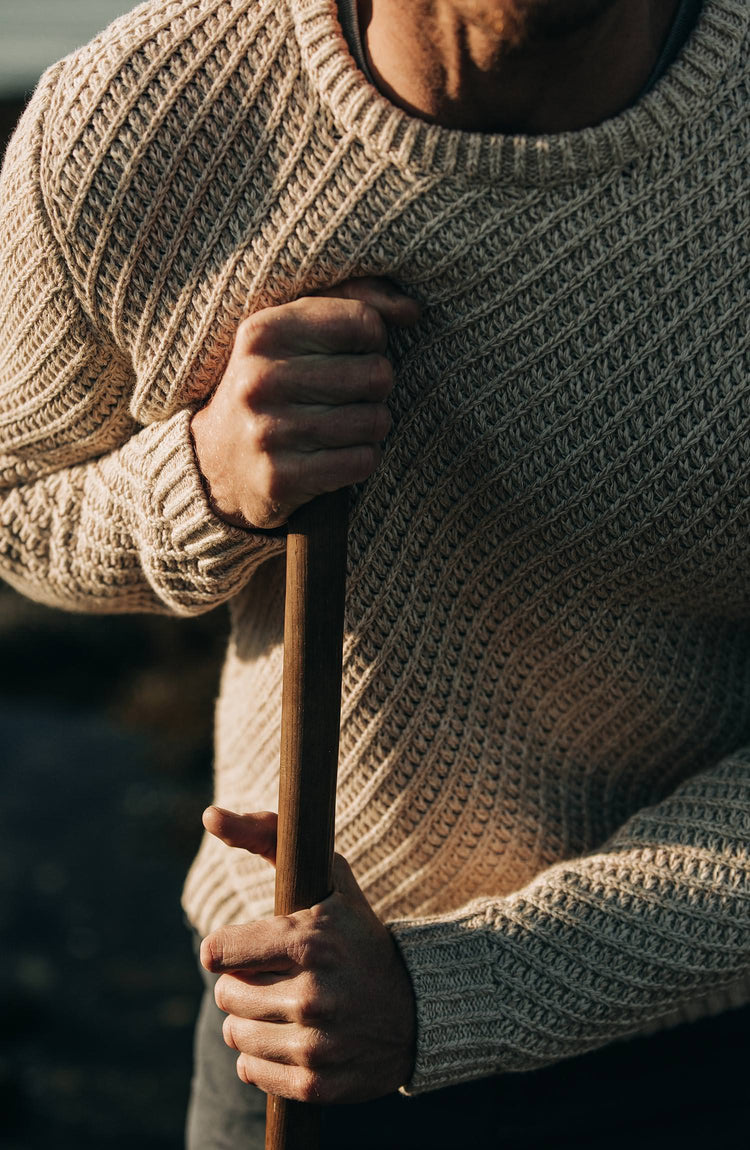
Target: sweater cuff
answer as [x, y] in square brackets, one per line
[450, 964]
[193, 559]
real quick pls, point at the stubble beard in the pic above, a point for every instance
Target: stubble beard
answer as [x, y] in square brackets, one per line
[519, 22]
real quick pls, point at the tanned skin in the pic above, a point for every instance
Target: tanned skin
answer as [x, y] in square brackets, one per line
[319, 1005]
[514, 66]
[302, 406]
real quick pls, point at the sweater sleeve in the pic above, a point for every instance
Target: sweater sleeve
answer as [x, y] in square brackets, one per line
[97, 513]
[637, 933]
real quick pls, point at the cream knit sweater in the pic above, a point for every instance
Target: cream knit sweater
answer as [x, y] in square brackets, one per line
[545, 766]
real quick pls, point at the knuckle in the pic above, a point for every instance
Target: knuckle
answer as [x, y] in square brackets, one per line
[227, 1031]
[308, 1008]
[315, 1004]
[370, 323]
[313, 1007]
[267, 480]
[380, 422]
[303, 1054]
[312, 949]
[361, 313]
[258, 383]
[275, 483]
[252, 331]
[312, 1052]
[264, 433]
[242, 1072]
[366, 459]
[312, 1087]
[212, 950]
[381, 377]
[320, 917]
[220, 995]
[244, 340]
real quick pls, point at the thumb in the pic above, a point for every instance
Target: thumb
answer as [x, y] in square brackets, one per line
[255, 832]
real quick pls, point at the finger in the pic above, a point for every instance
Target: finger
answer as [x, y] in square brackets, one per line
[324, 1085]
[331, 379]
[314, 325]
[393, 304]
[332, 468]
[286, 1042]
[254, 832]
[260, 997]
[253, 947]
[288, 996]
[294, 1082]
[347, 425]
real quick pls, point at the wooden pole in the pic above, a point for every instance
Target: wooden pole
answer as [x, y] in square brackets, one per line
[310, 719]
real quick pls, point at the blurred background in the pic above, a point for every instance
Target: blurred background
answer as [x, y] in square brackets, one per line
[105, 767]
[105, 761]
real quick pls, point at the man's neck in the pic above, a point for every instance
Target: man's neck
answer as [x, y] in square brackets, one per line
[459, 63]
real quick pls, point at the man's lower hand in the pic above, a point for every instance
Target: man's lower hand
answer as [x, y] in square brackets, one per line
[319, 1004]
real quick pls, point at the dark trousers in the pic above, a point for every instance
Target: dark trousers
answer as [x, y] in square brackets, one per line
[685, 1089]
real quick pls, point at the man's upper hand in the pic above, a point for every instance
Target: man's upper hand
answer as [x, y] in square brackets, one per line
[319, 1004]
[301, 408]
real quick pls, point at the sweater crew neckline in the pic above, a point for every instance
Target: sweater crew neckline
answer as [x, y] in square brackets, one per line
[362, 111]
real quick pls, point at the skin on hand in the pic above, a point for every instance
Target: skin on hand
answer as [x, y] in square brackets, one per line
[319, 1004]
[301, 408]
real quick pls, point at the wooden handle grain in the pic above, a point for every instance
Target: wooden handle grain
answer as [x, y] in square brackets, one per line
[310, 720]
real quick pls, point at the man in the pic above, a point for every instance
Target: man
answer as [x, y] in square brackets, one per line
[232, 267]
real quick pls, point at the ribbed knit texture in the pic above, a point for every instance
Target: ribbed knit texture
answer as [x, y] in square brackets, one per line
[545, 773]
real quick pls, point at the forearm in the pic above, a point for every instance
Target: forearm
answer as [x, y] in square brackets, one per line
[130, 531]
[596, 947]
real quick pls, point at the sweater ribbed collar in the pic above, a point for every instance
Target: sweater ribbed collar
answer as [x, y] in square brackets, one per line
[361, 110]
